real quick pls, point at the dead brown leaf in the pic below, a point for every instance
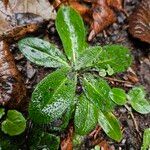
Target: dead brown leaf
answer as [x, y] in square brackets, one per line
[12, 88]
[57, 3]
[26, 23]
[38, 7]
[16, 22]
[83, 9]
[41, 8]
[5, 3]
[95, 132]
[99, 16]
[116, 4]
[104, 145]
[139, 22]
[66, 143]
[103, 16]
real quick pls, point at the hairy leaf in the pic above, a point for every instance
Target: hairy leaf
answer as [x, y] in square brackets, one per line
[70, 27]
[116, 56]
[110, 125]
[14, 124]
[88, 57]
[146, 140]
[42, 53]
[62, 123]
[97, 90]
[137, 100]
[52, 96]
[67, 116]
[2, 112]
[118, 96]
[85, 116]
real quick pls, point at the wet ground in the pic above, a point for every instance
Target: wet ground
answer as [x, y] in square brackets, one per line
[139, 73]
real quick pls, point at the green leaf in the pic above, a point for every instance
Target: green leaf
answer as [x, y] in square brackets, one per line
[78, 141]
[71, 30]
[42, 52]
[64, 119]
[97, 147]
[89, 57]
[110, 71]
[7, 144]
[110, 125]
[39, 140]
[49, 141]
[85, 116]
[97, 90]
[137, 100]
[11, 142]
[52, 96]
[2, 112]
[146, 140]
[116, 56]
[102, 72]
[67, 116]
[118, 96]
[14, 124]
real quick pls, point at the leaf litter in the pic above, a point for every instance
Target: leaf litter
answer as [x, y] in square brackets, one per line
[99, 15]
[138, 56]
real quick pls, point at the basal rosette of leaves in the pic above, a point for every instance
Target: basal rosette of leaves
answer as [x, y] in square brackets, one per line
[56, 95]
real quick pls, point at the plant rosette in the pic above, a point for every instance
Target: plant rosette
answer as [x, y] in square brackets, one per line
[56, 96]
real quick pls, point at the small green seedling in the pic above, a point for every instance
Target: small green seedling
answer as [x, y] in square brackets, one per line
[14, 124]
[81, 67]
[146, 140]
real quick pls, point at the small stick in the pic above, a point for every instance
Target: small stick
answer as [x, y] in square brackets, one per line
[95, 132]
[117, 80]
[134, 120]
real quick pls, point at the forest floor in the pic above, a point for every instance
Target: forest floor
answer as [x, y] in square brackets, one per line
[133, 124]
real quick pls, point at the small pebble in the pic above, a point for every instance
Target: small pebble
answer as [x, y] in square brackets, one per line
[123, 141]
[30, 71]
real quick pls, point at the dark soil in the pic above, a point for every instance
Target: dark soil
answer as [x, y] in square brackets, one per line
[139, 73]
